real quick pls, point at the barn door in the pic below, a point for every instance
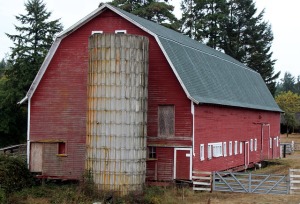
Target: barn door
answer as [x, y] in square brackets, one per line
[246, 154]
[36, 157]
[182, 163]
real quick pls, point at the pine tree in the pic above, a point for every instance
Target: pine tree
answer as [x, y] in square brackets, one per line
[233, 26]
[31, 44]
[201, 20]
[153, 10]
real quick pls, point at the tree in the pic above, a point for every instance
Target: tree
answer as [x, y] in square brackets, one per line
[2, 67]
[287, 83]
[153, 10]
[289, 102]
[201, 20]
[31, 44]
[234, 27]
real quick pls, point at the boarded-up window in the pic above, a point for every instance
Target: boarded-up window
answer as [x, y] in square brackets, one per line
[61, 148]
[166, 121]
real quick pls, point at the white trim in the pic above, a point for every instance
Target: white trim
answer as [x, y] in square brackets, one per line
[193, 128]
[28, 134]
[174, 167]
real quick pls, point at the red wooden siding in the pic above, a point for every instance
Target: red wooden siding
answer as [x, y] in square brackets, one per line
[58, 106]
[224, 124]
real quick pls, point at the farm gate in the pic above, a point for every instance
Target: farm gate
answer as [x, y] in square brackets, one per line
[250, 183]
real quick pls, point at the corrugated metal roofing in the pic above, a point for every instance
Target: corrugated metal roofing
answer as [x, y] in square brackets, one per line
[208, 75]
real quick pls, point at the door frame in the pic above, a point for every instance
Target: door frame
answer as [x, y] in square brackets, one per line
[191, 159]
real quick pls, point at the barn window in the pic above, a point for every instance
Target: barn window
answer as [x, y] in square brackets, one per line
[230, 148]
[251, 145]
[120, 31]
[270, 142]
[255, 144]
[209, 151]
[215, 149]
[166, 120]
[97, 32]
[277, 141]
[235, 147]
[151, 152]
[224, 149]
[201, 152]
[61, 148]
[241, 147]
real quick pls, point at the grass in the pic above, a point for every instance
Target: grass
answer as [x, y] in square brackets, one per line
[81, 194]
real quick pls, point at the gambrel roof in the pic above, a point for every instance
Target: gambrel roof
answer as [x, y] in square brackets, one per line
[206, 75]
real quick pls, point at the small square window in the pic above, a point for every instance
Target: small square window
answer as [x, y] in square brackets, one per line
[61, 148]
[120, 31]
[151, 152]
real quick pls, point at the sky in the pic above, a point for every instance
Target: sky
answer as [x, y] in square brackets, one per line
[283, 15]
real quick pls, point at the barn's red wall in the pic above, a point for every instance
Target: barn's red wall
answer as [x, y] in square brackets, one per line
[58, 106]
[224, 124]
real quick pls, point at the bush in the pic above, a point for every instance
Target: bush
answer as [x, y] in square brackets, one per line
[14, 174]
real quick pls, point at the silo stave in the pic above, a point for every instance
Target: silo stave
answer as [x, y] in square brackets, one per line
[117, 111]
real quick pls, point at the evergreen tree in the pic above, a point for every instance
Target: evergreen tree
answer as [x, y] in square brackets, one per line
[2, 67]
[233, 26]
[287, 83]
[153, 10]
[201, 20]
[31, 44]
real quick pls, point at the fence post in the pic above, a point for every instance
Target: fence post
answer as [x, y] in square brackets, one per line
[289, 183]
[249, 188]
[212, 188]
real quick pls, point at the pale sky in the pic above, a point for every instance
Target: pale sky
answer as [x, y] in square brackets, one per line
[283, 15]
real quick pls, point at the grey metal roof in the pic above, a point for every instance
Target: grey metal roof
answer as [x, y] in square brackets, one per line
[206, 75]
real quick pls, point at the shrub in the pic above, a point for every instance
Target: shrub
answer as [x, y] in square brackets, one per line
[14, 174]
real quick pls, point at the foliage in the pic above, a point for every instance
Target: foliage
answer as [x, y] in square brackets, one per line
[154, 10]
[201, 20]
[289, 83]
[289, 102]
[14, 174]
[233, 27]
[31, 44]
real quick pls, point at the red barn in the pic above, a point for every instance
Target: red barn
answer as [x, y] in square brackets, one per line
[205, 110]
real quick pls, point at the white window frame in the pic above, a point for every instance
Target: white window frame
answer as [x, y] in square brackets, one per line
[201, 152]
[277, 141]
[209, 151]
[120, 31]
[224, 149]
[230, 148]
[217, 150]
[97, 32]
[270, 142]
[241, 147]
[255, 144]
[251, 145]
[235, 147]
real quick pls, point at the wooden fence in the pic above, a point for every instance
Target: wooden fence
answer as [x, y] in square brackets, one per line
[202, 180]
[294, 175]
